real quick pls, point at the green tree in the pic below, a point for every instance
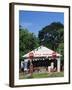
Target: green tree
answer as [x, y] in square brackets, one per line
[60, 49]
[52, 35]
[27, 42]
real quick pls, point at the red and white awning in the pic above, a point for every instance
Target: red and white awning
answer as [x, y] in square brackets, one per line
[42, 52]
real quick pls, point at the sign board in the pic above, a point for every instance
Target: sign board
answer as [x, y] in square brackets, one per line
[54, 55]
[31, 55]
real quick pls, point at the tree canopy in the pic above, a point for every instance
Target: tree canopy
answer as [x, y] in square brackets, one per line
[27, 41]
[52, 35]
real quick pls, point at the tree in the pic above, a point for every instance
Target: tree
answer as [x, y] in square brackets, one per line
[27, 42]
[52, 35]
[60, 49]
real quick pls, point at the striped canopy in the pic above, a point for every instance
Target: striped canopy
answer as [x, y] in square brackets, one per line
[42, 51]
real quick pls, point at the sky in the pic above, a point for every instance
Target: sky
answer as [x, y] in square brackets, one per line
[34, 21]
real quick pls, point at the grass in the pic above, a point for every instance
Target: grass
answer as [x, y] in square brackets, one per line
[41, 75]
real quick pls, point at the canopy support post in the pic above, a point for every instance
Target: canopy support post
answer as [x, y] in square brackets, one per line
[58, 64]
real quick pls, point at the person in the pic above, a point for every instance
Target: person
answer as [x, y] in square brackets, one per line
[25, 65]
[22, 66]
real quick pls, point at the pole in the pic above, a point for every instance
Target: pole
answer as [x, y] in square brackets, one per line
[58, 64]
[31, 68]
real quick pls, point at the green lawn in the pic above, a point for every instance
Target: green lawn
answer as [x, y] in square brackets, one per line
[41, 75]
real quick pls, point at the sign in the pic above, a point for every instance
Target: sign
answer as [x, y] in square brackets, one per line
[54, 55]
[31, 55]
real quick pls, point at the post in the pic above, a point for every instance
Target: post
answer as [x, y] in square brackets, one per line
[58, 64]
[31, 68]
[31, 55]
